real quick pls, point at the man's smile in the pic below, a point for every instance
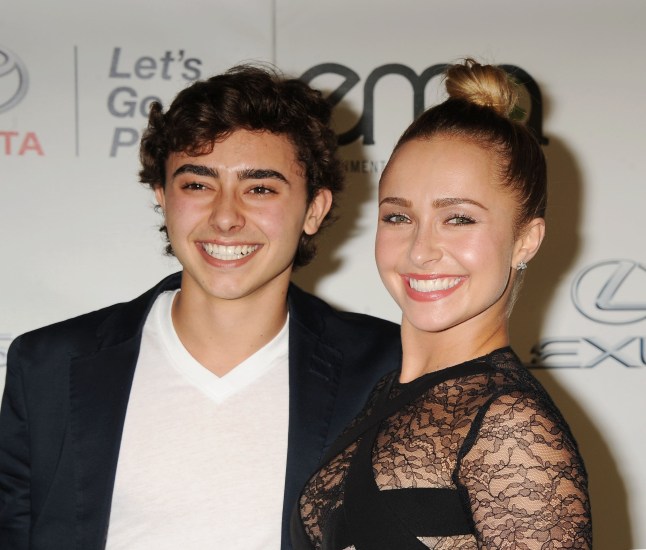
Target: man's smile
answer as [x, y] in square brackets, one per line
[229, 252]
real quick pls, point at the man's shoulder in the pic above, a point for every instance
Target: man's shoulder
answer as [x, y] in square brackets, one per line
[82, 330]
[85, 323]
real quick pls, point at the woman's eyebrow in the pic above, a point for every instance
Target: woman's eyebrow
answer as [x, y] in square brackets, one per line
[452, 201]
[397, 201]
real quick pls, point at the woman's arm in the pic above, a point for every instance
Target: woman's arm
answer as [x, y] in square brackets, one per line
[525, 479]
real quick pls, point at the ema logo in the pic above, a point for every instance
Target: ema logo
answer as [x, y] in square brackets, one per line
[612, 292]
[365, 126]
[14, 79]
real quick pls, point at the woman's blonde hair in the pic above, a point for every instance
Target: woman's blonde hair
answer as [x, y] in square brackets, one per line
[481, 108]
[483, 85]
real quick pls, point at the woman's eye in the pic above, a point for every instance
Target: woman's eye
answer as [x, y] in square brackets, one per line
[396, 218]
[460, 219]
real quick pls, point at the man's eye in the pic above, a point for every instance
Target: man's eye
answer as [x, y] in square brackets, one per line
[194, 186]
[261, 190]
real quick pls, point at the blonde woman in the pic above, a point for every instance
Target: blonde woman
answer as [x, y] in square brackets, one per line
[462, 448]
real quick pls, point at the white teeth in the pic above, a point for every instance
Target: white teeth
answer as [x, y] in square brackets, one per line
[432, 285]
[221, 252]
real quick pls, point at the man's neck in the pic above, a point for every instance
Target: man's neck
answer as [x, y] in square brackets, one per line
[220, 334]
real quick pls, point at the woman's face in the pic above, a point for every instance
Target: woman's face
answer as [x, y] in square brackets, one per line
[446, 243]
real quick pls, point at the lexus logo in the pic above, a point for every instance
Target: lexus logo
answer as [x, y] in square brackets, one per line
[611, 292]
[14, 80]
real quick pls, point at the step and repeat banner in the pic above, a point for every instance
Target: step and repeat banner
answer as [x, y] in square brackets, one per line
[78, 232]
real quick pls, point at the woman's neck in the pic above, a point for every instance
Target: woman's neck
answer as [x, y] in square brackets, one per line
[425, 352]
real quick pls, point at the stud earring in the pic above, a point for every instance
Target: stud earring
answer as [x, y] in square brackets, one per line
[521, 266]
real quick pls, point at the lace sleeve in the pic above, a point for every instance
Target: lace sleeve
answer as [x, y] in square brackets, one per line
[525, 480]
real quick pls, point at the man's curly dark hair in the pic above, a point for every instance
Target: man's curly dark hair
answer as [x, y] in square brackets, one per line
[247, 98]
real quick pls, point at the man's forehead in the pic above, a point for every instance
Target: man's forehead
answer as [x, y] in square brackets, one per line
[245, 149]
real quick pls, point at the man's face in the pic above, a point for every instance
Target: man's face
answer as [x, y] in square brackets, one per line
[235, 215]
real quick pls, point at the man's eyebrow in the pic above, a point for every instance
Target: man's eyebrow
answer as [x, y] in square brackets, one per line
[245, 174]
[452, 201]
[197, 169]
[261, 174]
[397, 201]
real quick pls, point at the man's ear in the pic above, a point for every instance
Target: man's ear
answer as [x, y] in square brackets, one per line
[317, 210]
[160, 196]
[529, 241]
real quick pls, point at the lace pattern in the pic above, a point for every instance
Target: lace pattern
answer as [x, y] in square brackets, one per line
[496, 437]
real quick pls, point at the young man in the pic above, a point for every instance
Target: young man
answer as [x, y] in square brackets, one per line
[192, 416]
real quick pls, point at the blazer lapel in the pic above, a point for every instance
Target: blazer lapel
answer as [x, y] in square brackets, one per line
[99, 392]
[100, 385]
[314, 374]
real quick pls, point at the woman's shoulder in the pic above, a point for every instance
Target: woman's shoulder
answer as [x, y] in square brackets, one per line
[520, 411]
[508, 374]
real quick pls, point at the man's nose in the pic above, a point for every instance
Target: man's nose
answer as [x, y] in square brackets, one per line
[226, 213]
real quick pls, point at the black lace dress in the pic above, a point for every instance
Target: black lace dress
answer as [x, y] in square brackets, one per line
[472, 456]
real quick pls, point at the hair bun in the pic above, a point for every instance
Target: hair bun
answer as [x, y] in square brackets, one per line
[484, 85]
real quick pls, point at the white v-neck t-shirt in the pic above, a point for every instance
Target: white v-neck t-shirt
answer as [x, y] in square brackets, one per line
[202, 459]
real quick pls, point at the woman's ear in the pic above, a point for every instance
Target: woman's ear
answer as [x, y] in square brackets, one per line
[528, 242]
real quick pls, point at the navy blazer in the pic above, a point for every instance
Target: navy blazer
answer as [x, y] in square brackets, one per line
[67, 390]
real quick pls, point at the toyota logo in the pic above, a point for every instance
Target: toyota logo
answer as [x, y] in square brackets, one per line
[14, 80]
[611, 292]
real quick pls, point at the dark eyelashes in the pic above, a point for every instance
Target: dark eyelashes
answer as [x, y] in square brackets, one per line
[453, 219]
[256, 189]
[193, 185]
[395, 218]
[464, 219]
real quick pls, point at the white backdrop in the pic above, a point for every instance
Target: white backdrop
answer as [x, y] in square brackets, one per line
[78, 231]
